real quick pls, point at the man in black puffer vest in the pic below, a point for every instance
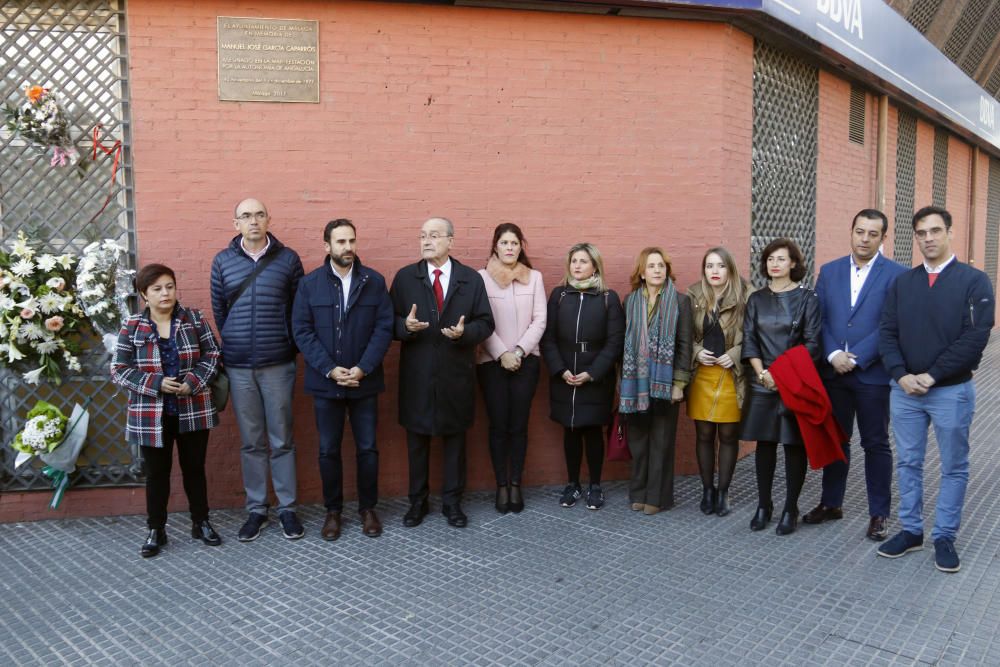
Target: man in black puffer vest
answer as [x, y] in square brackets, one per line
[253, 285]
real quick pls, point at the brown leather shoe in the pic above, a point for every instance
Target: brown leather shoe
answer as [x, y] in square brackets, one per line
[370, 525]
[331, 527]
[822, 513]
[878, 529]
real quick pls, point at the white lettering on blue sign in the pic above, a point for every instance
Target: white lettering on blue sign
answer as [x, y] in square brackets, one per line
[987, 112]
[845, 12]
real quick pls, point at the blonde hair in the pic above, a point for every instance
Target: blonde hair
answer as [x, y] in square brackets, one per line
[734, 282]
[635, 280]
[595, 257]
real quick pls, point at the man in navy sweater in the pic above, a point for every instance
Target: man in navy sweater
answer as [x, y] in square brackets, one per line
[935, 325]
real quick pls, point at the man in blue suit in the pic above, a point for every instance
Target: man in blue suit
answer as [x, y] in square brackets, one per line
[852, 290]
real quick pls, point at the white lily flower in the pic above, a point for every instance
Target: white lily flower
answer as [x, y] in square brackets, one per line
[33, 377]
[14, 354]
[66, 261]
[20, 247]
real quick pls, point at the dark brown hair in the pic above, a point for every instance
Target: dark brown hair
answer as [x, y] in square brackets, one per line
[502, 229]
[798, 272]
[149, 274]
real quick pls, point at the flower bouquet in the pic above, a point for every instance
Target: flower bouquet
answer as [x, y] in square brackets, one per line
[56, 440]
[103, 286]
[41, 121]
[40, 319]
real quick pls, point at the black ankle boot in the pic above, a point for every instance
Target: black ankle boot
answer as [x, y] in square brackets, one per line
[503, 499]
[708, 495]
[156, 539]
[722, 503]
[789, 522]
[762, 517]
[516, 503]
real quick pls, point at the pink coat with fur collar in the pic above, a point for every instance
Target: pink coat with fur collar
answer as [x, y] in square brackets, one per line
[517, 298]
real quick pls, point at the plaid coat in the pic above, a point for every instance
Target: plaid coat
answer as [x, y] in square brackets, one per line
[136, 366]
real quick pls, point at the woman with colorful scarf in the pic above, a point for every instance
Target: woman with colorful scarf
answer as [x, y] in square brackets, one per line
[655, 369]
[508, 361]
[582, 342]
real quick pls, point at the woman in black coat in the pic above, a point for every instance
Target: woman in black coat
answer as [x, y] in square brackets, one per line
[778, 317]
[583, 340]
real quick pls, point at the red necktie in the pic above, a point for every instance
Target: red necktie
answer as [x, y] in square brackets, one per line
[438, 290]
[931, 277]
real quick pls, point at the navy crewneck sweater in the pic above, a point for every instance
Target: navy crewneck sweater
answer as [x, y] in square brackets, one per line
[940, 330]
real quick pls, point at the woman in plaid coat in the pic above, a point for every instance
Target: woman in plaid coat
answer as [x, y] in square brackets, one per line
[166, 358]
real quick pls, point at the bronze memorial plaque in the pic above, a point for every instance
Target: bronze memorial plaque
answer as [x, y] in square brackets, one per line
[268, 60]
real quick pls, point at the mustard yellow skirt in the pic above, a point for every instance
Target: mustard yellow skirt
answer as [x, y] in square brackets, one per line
[712, 396]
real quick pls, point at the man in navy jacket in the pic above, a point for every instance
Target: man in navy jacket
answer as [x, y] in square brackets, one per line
[935, 325]
[851, 291]
[342, 320]
[259, 355]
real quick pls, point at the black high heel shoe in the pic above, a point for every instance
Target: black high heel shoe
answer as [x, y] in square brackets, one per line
[503, 499]
[708, 499]
[516, 503]
[762, 517]
[788, 523]
[722, 504]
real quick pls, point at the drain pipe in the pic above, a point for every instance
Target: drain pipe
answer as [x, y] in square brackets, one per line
[882, 150]
[973, 199]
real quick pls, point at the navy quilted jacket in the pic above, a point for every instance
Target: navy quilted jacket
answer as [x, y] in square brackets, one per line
[256, 331]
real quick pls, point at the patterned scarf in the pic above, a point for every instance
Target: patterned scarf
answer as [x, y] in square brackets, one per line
[648, 363]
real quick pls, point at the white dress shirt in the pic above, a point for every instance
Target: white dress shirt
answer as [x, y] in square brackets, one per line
[859, 274]
[345, 285]
[445, 276]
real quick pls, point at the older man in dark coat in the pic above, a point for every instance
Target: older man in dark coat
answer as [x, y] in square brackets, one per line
[441, 314]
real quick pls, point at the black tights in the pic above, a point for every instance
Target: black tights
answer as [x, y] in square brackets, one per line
[573, 446]
[729, 449]
[795, 473]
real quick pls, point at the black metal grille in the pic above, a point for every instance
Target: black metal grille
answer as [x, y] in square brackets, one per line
[980, 46]
[906, 178]
[783, 166]
[993, 222]
[940, 188]
[961, 34]
[993, 83]
[856, 122]
[922, 13]
[79, 50]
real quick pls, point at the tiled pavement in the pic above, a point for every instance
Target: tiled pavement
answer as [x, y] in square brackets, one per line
[548, 587]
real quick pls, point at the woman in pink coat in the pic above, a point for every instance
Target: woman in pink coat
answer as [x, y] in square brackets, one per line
[508, 361]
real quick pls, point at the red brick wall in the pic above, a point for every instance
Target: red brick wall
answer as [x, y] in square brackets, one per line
[623, 132]
[845, 179]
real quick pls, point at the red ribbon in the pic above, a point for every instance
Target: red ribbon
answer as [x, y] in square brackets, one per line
[116, 151]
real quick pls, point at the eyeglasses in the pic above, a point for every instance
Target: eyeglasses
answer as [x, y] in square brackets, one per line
[933, 232]
[246, 217]
[434, 236]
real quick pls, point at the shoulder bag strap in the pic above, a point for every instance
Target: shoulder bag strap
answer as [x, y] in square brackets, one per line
[261, 265]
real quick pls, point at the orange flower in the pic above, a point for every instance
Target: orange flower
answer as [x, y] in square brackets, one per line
[34, 92]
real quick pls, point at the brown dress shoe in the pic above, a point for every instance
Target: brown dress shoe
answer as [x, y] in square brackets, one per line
[331, 527]
[878, 529]
[822, 513]
[370, 525]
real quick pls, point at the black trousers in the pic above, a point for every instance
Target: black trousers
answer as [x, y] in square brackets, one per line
[157, 462]
[508, 397]
[418, 447]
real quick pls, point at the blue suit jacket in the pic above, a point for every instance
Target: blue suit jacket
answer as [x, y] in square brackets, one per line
[855, 329]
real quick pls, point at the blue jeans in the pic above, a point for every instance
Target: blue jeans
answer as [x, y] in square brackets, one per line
[262, 400]
[949, 409]
[331, 414]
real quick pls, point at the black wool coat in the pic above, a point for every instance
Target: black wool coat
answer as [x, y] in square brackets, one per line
[585, 332]
[437, 378]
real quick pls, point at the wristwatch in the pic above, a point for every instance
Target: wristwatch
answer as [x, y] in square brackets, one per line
[762, 374]
[519, 353]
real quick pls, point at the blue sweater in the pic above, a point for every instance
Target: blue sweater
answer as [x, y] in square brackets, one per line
[940, 330]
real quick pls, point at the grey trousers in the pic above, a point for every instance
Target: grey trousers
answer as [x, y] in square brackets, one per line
[262, 400]
[651, 440]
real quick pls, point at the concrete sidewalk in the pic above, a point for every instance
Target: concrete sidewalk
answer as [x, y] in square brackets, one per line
[550, 586]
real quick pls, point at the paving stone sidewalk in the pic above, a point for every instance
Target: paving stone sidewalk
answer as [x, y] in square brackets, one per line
[550, 586]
